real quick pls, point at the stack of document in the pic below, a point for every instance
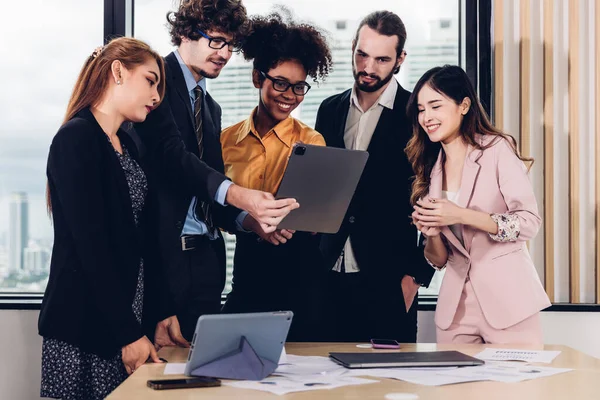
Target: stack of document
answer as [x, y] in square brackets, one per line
[298, 373]
[287, 384]
[309, 366]
[532, 356]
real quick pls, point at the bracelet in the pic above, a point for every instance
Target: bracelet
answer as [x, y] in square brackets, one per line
[435, 266]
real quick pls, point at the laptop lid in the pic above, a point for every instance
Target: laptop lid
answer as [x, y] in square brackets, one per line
[405, 359]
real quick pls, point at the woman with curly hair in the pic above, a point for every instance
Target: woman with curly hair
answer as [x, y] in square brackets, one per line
[280, 270]
[475, 205]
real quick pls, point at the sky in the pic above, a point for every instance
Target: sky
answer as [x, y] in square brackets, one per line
[44, 47]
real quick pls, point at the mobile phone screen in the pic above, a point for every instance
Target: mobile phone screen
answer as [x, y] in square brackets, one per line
[385, 342]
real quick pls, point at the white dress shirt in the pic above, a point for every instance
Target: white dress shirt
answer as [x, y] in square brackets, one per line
[360, 126]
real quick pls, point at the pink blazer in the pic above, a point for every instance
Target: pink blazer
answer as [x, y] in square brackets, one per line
[504, 279]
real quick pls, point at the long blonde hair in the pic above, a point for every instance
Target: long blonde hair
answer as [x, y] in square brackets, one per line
[94, 78]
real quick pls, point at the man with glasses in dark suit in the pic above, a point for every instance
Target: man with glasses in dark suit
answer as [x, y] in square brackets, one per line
[206, 33]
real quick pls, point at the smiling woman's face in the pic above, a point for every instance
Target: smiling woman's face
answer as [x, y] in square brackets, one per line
[278, 105]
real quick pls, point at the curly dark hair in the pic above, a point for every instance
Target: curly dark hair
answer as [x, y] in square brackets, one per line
[226, 16]
[275, 38]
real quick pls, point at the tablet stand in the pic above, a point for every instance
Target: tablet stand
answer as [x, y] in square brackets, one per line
[242, 363]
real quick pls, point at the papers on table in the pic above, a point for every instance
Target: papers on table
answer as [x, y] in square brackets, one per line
[307, 366]
[419, 376]
[288, 384]
[500, 372]
[174, 369]
[298, 373]
[283, 357]
[294, 374]
[531, 356]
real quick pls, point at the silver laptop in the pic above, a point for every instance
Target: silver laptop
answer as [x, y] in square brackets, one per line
[323, 180]
[405, 359]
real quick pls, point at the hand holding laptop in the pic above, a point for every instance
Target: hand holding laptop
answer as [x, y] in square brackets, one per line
[275, 237]
[262, 206]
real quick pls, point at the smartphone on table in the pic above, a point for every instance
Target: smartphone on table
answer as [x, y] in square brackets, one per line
[184, 383]
[385, 344]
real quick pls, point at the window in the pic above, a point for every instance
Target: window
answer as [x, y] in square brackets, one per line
[42, 54]
[433, 35]
[42, 65]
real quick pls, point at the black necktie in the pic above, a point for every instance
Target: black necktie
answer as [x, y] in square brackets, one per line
[202, 208]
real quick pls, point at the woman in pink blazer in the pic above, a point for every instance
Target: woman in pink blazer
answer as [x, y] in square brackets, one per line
[475, 206]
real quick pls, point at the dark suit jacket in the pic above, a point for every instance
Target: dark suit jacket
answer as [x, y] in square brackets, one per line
[97, 246]
[166, 147]
[175, 197]
[377, 219]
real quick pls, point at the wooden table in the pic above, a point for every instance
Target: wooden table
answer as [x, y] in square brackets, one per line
[582, 383]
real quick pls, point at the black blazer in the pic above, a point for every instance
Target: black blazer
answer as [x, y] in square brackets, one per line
[383, 240]
[174, 198]
[167, 150]
[97, 246]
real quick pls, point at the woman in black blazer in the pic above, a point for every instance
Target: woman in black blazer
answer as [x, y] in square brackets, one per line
[104, 290]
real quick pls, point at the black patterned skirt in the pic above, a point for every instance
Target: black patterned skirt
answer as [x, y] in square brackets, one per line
[70, 373]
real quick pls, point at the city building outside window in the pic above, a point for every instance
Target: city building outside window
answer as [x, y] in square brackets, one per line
[43, 48]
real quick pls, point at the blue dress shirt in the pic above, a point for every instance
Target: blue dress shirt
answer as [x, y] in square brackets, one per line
[193, 226]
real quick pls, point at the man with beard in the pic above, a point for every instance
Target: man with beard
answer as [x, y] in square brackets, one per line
[192, 194]
[376, 265]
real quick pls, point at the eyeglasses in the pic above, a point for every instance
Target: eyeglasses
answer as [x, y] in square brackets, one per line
[281, 85]
[218, 43]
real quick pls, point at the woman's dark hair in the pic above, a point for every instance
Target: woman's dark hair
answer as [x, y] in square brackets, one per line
[225, 16]
[275, 38]
[452, 82]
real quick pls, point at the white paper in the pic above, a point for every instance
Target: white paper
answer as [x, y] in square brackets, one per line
[420, 376]
[532, 356]
[499, 372]
[287, 384]
[309, 366]
[283, 357]
[174, 369]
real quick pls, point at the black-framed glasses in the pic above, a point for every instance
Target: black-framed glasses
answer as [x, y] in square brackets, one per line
[218, 43]
[281, 85]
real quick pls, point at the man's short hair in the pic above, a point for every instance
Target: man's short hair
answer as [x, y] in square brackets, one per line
[385, 23]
